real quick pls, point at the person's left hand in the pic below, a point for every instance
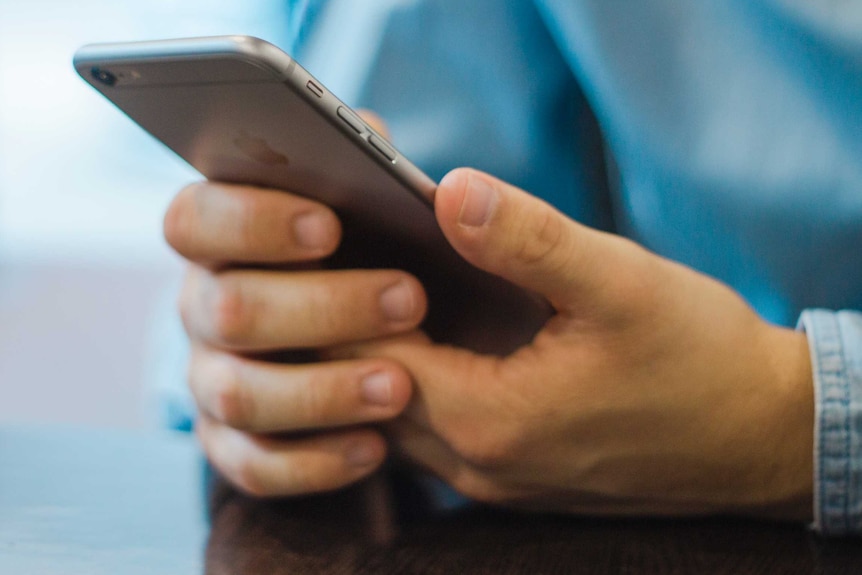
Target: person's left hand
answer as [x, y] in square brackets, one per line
[654, 389]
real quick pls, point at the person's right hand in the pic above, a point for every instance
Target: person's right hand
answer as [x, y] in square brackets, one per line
[253, 287]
